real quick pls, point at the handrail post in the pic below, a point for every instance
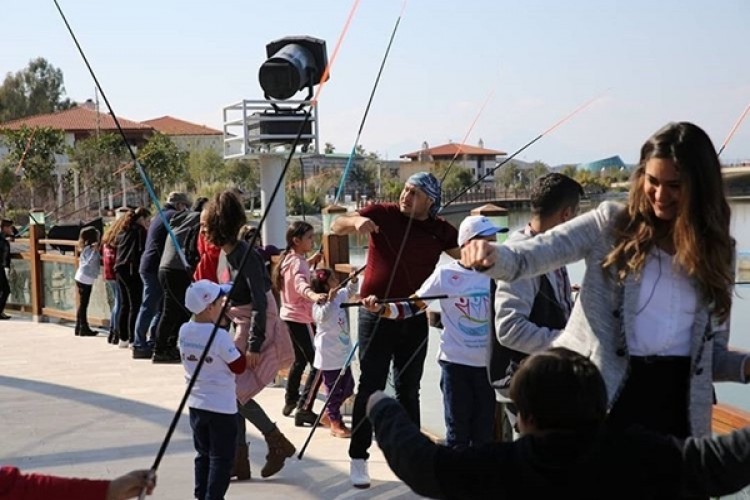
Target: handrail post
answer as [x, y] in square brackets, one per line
[36, 233]
[335, 247]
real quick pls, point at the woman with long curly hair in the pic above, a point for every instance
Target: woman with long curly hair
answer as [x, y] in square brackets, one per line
[657, 292]
[130, 244]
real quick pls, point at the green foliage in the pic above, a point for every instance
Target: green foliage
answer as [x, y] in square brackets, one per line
[507, 176]
[204, 166]
[163, 162]
[96, 159]
[457, 179]
[34, 150]
[8, 179]
[537, 170]
[244, 174]
[36, 89]
[329, 148]
[570, 171]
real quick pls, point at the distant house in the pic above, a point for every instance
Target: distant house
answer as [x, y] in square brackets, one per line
[188, 136]
[476, 159]
[78, 123]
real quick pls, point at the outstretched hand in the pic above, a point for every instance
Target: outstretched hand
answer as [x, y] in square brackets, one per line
[371, 303]
[364, 225]
[478, 255]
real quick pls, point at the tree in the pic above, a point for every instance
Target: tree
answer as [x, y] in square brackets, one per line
[244, 174]
[36, 89]
[569, 170]
[33, 152]
[204, 166]
[162, 161]
[455, 179]
[329, 148]
[96, 159]
[538, 169]
[507, 175]
[8, 180]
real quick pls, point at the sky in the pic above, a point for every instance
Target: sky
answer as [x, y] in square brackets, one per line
[651, 62]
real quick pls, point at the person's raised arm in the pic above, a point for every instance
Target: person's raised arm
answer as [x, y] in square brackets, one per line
[353, 223]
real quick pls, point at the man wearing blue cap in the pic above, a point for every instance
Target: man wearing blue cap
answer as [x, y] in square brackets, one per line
[406, 241]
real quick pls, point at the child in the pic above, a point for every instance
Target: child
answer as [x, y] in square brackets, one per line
[213, 408]
[89, 263]
[468, 398]
[291, 277]
[332, 343]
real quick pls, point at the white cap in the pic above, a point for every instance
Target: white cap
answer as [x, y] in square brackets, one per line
[477, 225]
[201, 294]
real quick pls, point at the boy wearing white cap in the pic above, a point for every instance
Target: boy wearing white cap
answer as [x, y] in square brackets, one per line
[468, 398]
[212, 401]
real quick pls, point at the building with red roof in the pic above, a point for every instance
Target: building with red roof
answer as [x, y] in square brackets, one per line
[477, 159]
[186, 135]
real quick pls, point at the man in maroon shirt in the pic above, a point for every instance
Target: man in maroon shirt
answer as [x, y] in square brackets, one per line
[406, 240]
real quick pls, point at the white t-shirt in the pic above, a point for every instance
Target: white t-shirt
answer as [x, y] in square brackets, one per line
[215, 388]
[332, 341]
[465, 317]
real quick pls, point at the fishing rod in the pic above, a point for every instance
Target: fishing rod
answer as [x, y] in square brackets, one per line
[349, 161]
[466, 137]
[336, 199]
[523, 148]
[415, 298]
[141, 171]
[734, 129]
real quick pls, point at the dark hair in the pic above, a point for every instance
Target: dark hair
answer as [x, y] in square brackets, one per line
[246, 233]
[225, 215]
[132, 217]
[560, 389]
[554, 192]
[88, 236]
[198, 204]
[700, 231]
[297, 229]
[319, 280]
[6, 223]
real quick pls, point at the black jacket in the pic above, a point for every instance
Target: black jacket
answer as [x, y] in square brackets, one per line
[4, 251]
[599, 464]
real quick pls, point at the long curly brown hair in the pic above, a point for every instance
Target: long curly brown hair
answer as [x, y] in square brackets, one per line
[114, 229]
[699, 232]
[225, 215]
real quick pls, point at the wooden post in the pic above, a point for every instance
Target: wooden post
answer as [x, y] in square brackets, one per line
[36, 233]
[335, 247]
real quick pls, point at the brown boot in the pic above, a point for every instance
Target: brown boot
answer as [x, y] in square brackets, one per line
[340, 430]
[279, 449]
[241, 467]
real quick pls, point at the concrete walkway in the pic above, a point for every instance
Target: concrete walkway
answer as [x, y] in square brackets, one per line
[77, 406]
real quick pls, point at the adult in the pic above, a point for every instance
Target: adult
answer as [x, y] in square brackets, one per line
[406, 241]
[153, 293]
[657, 293]
[566, 450]
[15, 485]
[6, 231]
[129, 249]
[530, 313]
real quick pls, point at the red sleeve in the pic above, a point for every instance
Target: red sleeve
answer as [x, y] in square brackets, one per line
[238, 365]
[17, 486]
[206, 268]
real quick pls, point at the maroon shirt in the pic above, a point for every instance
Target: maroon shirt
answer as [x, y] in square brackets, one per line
[426, 241]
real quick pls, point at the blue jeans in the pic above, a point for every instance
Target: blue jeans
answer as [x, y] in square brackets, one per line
[214, 436]
[380, 341]
[150, 312]
[115, 309]
[469, 403]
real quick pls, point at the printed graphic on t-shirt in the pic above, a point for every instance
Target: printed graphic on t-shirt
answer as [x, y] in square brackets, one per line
[473, 314]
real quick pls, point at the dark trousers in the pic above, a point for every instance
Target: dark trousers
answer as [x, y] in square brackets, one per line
[344, 389]
[655, 396]
[469, 405]
[84, 296]
[130, 288]
[173, 313]
[214, 436]
[304, 352]
[381, 341]
[4, 289]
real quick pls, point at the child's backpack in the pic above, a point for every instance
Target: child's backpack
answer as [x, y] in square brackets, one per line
[186, 228]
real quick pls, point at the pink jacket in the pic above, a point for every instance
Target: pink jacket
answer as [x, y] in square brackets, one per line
[276, 353]
[295, 306]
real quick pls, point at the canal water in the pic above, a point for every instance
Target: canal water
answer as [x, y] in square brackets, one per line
[730, 393]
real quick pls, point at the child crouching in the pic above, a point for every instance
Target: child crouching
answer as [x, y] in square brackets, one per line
[333, 343]
[212, 403]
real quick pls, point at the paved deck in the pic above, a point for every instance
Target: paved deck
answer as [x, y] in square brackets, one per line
[77, 406]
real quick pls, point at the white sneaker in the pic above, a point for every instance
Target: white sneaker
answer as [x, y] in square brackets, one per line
[124, 344]
[358, 473]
